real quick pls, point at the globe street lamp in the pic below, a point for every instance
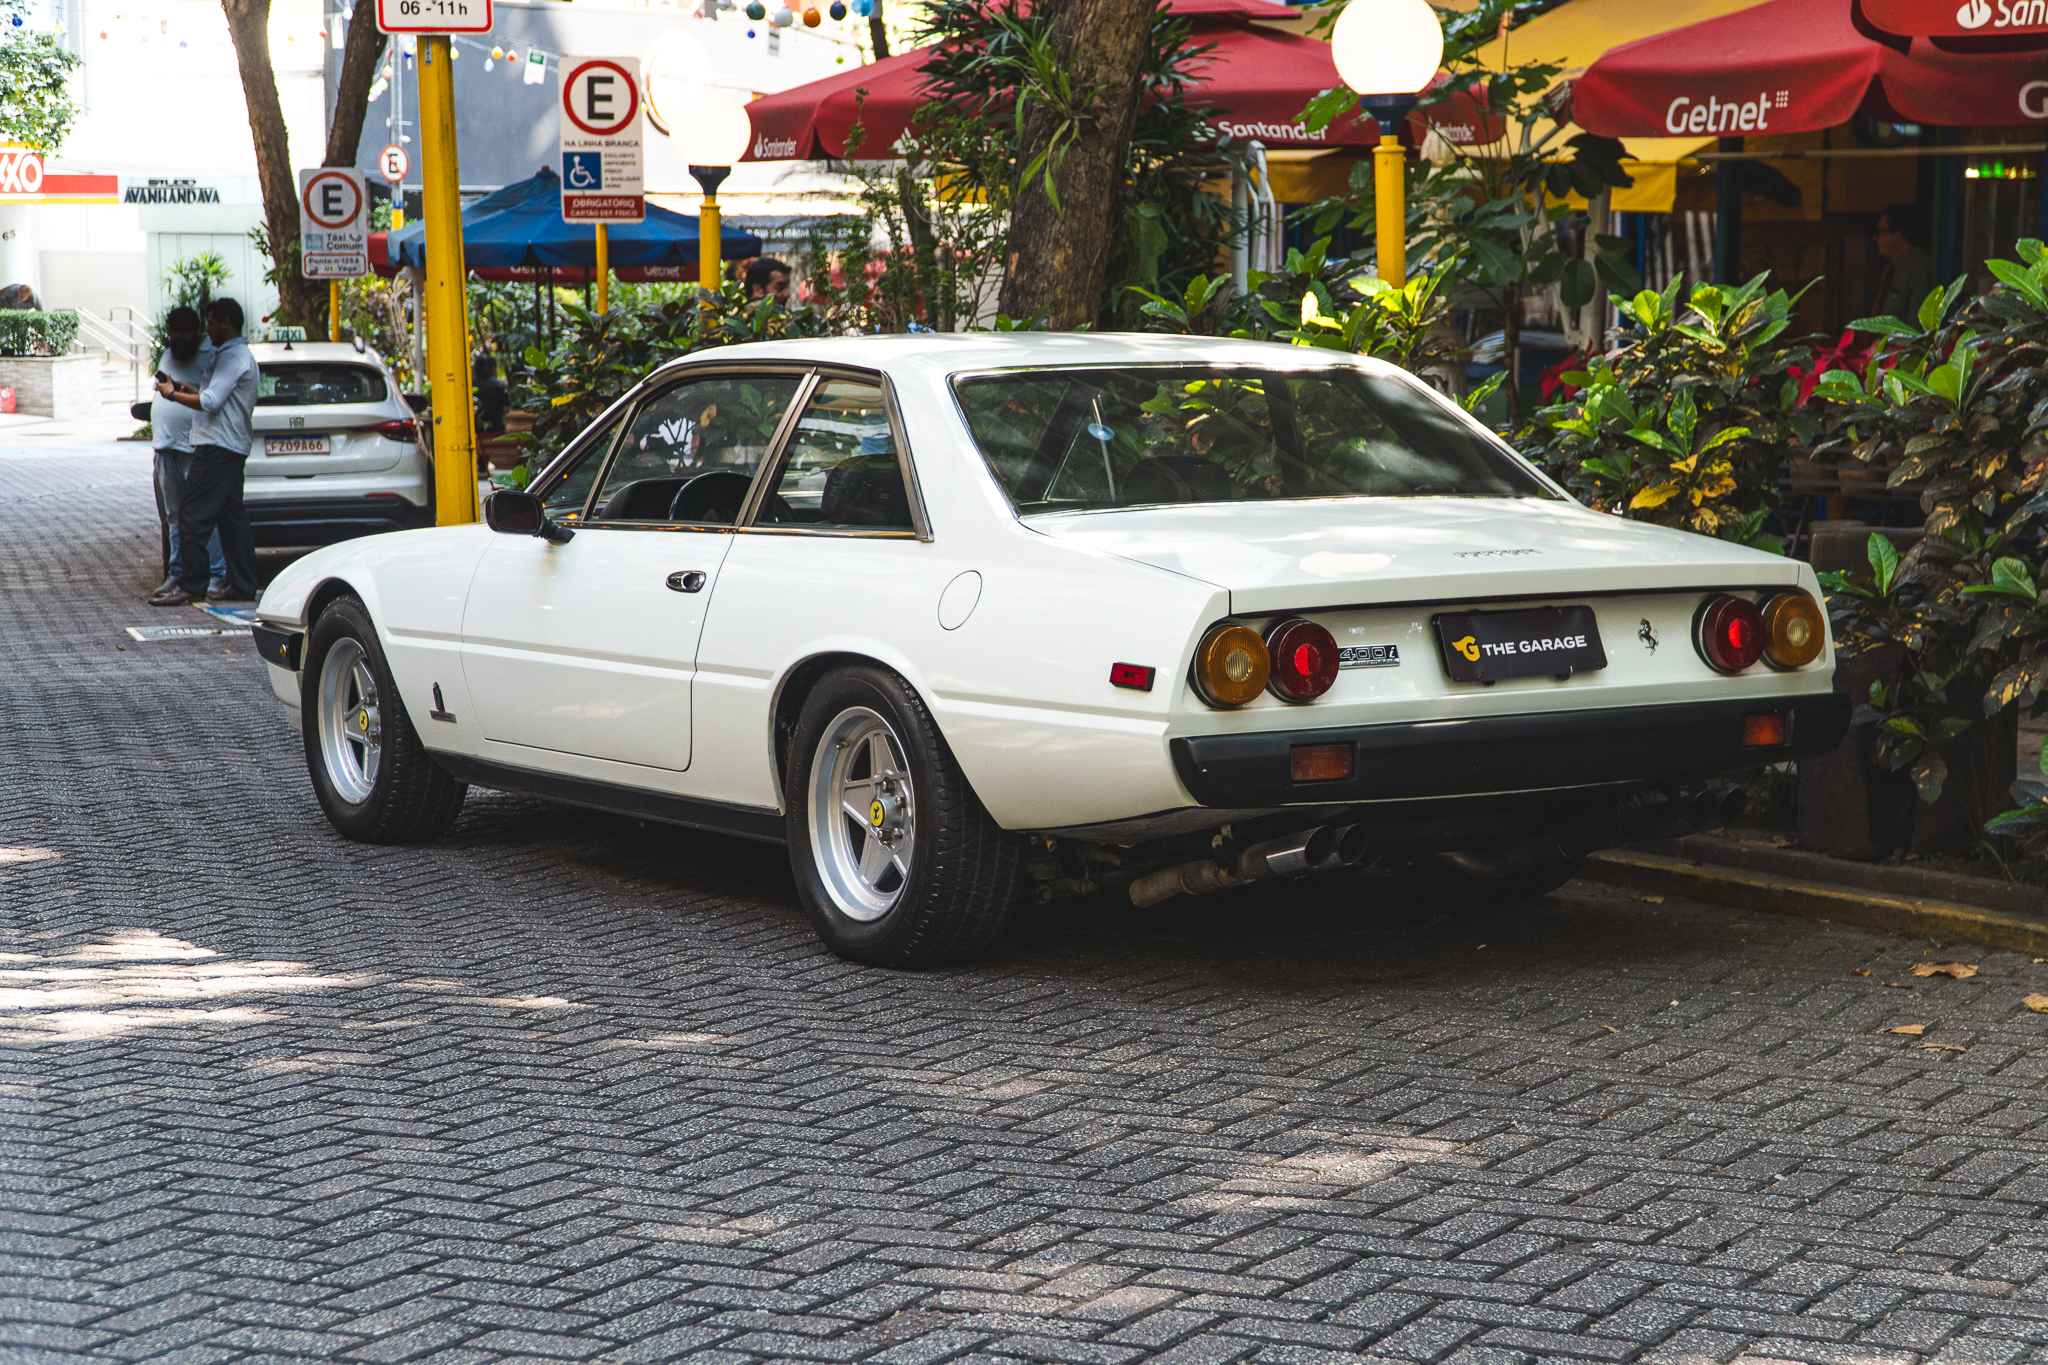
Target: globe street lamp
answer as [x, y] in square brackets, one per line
[714, 133]
[1387, 51]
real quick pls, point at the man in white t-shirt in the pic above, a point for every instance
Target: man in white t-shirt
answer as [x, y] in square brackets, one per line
[186, 360]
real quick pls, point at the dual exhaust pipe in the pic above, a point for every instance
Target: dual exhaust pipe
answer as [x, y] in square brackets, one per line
[1321, 849]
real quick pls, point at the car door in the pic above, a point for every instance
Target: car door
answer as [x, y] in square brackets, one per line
[587, 647]
[829, 559]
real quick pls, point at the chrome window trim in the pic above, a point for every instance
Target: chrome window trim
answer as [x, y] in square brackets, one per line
[920, 522]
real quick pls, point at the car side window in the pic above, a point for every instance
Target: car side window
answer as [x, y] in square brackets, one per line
[691, 450]
[568, 491]
[842, 470]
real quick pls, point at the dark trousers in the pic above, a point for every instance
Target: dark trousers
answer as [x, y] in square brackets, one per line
[213, 501]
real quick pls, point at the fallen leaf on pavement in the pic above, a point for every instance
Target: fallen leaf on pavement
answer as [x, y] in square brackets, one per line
[1859, 971]
[1911, 1030]
[1958, 970]
[1612, 1029]
[2037, 1003]
[1944, 1047]
[1653, 900]
[1898, 985]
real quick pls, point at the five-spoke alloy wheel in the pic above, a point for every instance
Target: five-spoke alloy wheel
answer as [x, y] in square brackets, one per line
[372, 775]
[896, 860]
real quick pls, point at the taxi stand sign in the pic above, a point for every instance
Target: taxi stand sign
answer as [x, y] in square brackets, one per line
[334, 224]
[434, 16]
[602, 177]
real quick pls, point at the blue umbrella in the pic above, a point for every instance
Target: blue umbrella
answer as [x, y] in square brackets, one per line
[521, 225]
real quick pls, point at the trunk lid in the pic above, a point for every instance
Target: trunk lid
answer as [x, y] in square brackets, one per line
[1302, 555]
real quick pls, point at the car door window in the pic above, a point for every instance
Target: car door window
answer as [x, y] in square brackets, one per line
[564, 495]
[691, 451]
[842, 470]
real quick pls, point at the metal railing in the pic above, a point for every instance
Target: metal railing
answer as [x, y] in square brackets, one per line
[124, 334]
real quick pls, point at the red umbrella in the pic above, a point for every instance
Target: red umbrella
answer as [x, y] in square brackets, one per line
[1253, 85]
[1798, 66]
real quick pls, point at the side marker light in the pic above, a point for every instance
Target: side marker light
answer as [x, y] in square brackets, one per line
[1135, 676]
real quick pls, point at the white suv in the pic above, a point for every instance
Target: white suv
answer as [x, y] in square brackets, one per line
[337, 449]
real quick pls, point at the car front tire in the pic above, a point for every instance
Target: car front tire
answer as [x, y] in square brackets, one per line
[370, 771]
[896, 860]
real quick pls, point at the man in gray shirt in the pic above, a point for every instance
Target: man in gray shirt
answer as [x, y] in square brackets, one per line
[212, 496]
[186, 359]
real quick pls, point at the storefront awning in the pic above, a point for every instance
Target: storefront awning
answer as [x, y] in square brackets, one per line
[1798, 66]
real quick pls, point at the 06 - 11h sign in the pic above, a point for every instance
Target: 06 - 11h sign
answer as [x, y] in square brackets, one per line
[434, 16]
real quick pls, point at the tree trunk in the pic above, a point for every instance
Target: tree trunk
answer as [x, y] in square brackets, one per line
[300, 300]
[352, 89]
[1059, 257]
[878, 32]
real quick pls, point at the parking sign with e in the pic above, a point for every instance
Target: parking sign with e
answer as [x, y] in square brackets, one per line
[393, 163]
[334, 224]
[602, 179]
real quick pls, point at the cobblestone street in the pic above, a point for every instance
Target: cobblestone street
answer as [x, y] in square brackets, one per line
[563, 1086]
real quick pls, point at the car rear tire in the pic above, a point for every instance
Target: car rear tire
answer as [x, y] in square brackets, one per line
[370, 771]
[896, 860]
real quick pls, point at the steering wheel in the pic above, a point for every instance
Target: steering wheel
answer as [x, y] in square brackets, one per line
[716, 496]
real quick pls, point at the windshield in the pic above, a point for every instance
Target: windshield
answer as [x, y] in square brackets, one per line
[312, 384]
[1084, 439]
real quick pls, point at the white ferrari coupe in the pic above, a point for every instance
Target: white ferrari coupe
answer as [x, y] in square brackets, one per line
[971, 620]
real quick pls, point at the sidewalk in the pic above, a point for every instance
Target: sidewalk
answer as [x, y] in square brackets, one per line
[22, 427]
[1748, 869]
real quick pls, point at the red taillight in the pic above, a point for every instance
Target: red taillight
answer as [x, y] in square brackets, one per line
[1304, 661]
[1729, 633]
[398, 431]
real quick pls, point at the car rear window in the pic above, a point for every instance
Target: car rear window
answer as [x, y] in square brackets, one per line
[1141, 436]
[312, 384]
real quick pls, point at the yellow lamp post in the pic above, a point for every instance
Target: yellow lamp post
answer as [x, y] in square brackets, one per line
[1388, 51]
[714, 135]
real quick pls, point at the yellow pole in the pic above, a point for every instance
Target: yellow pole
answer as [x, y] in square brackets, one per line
[334, 310]
[1389, 170]
[604, 270]
[710, 247]
[445, 298]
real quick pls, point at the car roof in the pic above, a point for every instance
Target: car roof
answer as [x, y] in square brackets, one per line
[275, 351]
[948, 353]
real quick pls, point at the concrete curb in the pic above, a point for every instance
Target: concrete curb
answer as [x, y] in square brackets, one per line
[1949, 921]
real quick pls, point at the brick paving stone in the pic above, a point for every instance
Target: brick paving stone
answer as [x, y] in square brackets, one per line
[564, 1087]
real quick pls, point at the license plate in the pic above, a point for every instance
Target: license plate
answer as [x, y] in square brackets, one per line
[297, 445]
[1486, 646]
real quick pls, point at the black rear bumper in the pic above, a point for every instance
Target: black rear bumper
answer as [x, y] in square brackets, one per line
[1646, 745]
[323, 521]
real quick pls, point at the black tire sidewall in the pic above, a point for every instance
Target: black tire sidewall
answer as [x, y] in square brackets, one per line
[346, 619]
[882, 941]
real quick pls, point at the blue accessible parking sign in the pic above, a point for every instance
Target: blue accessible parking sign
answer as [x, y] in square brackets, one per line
[582, 170]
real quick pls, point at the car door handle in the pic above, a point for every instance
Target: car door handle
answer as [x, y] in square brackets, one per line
[687, 580]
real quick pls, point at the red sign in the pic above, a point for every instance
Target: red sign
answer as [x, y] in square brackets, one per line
[434, 16]
[1957, 18]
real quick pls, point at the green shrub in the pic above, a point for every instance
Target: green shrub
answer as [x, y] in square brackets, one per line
[27, 333]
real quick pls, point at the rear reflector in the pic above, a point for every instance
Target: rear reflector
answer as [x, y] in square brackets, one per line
[1319, 762]
[1763, 731]
[1131, 675]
